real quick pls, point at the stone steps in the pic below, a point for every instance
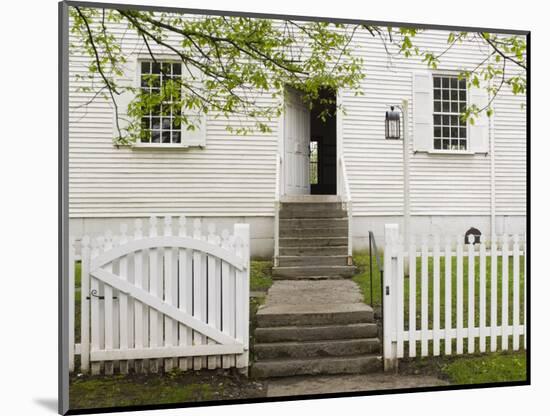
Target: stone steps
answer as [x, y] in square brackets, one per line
[363, 363]
[314, 314]
[311, 213]
[296, 272]
[317, 348]
[314, 232]
[322, 223]
[314, 251]
[312, 333]
[313, 241]
[314, 320]
[313, 260]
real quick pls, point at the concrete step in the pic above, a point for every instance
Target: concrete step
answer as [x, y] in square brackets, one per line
[314, 251]
[313, 206]
[310, 198]
[313, 333]
[317, 277]
[313, 241]
[313, 261]
[315, 365]
[314, 315]
[311, 213]
[323, 348]
[295, 271]
[313, 223]
[314, 232]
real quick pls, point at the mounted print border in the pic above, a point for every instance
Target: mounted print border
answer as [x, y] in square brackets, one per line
[247, 198]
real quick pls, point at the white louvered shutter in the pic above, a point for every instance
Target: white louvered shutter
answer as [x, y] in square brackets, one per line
[422, 111]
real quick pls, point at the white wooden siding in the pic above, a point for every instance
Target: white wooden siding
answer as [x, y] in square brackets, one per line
[511, 154]
[231, 176]
[235, 176]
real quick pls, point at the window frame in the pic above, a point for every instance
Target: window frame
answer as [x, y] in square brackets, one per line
[467, 150]
[137, 84]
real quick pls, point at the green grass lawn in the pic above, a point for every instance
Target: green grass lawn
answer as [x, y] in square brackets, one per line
[470, 369]
[260, 275]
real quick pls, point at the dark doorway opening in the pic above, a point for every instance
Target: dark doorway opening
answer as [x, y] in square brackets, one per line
[322, 156]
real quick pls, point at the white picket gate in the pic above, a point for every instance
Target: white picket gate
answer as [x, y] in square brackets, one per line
[453, 314]
[154, 302]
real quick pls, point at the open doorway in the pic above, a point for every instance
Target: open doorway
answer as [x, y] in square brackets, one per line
[322, 145]
[310, 144]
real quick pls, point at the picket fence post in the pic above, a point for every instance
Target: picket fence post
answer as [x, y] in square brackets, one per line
[242, 236]
[71, 304]
[391, 232]
[85, 304]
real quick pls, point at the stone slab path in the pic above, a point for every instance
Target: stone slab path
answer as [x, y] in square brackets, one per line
[313, 292]
[296, 386]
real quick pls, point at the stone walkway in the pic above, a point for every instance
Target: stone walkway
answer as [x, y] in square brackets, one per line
[295, 386]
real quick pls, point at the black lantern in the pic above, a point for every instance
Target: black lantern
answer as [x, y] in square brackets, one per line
[393, 124]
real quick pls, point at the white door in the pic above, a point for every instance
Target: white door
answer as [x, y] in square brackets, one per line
[296, 142]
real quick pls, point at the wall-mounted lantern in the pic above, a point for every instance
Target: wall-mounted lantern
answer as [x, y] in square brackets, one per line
[393, 124]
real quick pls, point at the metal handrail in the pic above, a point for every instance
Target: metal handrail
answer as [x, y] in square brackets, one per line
[345, 192]
[277, 207]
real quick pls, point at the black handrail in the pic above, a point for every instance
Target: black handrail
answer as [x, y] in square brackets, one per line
[380, 266]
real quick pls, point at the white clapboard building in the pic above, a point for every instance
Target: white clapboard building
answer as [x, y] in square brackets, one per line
[460, 176]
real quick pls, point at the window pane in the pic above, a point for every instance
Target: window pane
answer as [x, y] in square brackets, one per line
[462, 132]
[446, 120]
[445, 107]
[462, 84]
[145, 136]
[437, 119]
[454, 95]
[437, 94]
[454, 82]
[454, 107]
[437, 82]
[437, 106]
[446, 132]
[437, 144]
[454, 132]
[445, 82]
[454, 120]
[445, 144]
[155, 123]
[437, 131]
[462, 95]
[445, 94]
[462, 144]
[162, 126]
[145, 123]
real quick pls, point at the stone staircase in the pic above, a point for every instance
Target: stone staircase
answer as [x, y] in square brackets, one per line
[313, 240]
[314, 321]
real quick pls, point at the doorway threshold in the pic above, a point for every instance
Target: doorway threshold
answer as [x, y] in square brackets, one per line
[310, 198]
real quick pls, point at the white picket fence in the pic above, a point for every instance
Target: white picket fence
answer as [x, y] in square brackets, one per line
[453, 314]
[153, 302]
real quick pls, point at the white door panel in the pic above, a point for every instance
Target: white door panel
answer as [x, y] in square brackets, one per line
[296, 143]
